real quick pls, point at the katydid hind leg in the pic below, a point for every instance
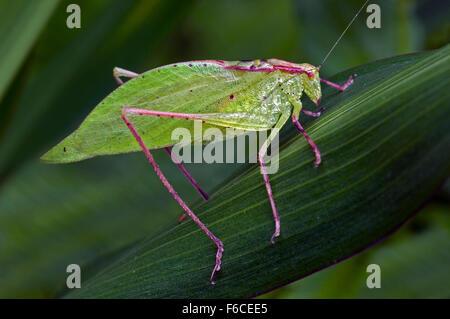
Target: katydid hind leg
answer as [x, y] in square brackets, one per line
[313, 114]
[190, 178]
[188, 175]
[168, 150]
[119, 72]
[186, 116]
[261, 154]
[175, 195]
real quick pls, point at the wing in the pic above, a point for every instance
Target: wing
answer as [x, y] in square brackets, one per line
[188, 87]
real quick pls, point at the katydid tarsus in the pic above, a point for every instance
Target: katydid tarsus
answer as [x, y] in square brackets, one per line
[254, 95]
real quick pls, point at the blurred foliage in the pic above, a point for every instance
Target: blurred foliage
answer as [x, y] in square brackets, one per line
[51, 216]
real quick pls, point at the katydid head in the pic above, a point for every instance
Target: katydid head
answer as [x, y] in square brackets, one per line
[311, 83]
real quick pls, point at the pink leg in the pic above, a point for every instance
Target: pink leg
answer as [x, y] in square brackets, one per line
[190, 178]
[310, 141]
[340, 87]
[276, 217]
[261, 153]
[117, 73]
[314, 114]
[174, 194]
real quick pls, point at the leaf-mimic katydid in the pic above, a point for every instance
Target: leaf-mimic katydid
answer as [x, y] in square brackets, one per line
[249, 95]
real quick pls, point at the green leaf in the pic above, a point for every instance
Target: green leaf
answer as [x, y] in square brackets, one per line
[386, 148]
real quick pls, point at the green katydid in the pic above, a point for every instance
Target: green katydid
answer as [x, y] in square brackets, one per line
[140, 114]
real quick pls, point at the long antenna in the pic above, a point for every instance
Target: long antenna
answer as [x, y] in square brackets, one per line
[339, 39]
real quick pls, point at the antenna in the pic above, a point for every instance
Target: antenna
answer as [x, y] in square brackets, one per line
[339, 39]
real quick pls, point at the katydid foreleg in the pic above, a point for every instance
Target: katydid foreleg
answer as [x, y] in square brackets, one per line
[310, 141]
[313, 114]
[317, 114]
[172, 191]
[261, 153]
[340, 87]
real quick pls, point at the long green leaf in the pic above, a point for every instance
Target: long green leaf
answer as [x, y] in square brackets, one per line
[386, 147]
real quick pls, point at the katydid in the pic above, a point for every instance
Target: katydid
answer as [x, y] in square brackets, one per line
[141, 113]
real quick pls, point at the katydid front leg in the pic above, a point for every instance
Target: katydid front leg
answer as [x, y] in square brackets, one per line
[283, 118]
[340, 87]
[119, 72]
[310, 141]
[313, 114]
[297, 107]
[166, 183]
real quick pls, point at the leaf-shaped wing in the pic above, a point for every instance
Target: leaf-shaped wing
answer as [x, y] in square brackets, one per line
[188, 87]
